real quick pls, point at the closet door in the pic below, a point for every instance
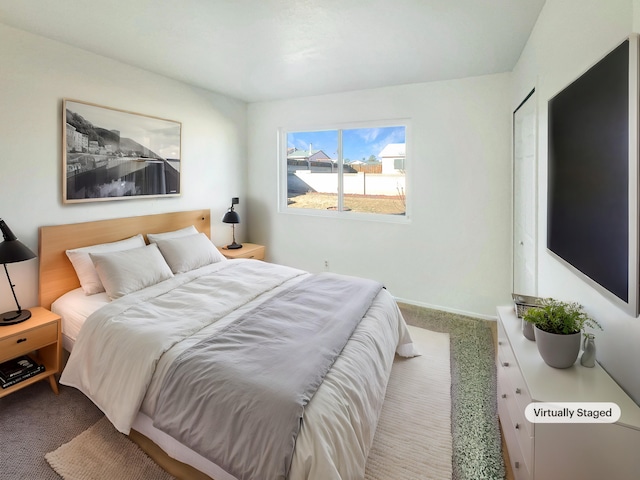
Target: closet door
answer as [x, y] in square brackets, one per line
[525, 186]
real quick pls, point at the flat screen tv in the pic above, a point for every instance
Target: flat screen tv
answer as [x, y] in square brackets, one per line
[592, 196]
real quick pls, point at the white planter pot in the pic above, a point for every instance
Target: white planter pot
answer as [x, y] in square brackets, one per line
[558, 351]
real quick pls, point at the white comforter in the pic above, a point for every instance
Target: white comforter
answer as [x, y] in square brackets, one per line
[124, 350]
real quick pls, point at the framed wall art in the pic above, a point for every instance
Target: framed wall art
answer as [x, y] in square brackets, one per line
[111, 154]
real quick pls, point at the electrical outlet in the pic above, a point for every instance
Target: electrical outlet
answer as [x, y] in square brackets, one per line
[326, 264]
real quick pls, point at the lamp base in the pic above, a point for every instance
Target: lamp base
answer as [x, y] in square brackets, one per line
[16, 316]
[234, 246]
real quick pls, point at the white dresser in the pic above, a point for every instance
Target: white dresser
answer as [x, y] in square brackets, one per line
[561, 451]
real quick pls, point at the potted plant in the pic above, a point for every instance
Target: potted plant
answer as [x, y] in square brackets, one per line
[557, 327]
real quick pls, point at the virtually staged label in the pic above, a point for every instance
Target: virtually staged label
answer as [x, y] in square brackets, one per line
[572, 412]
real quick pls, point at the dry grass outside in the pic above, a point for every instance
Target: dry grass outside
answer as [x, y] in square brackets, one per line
[390, 205]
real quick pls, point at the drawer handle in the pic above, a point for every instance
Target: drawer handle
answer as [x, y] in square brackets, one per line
[517, 426]
[518, 391]
[517, 464]
[20, 340]
[505, 364]
[499, 342]
[252, 256]
[504, 395]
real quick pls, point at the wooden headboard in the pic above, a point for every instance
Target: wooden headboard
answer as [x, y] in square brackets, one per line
[57, 275]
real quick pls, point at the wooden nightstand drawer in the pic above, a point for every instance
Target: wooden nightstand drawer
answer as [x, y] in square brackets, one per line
[28, 340]
[248, 250]
[256, 253]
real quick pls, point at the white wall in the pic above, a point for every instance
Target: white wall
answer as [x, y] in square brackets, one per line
[455, 252]
[35, 75]
[569, 37]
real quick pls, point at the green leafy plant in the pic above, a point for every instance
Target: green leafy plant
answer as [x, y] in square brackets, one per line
[563, 318]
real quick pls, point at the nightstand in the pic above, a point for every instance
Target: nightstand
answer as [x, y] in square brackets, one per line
[40, 338]
[248, 250]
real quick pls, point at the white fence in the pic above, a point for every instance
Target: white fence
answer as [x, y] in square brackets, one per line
[354, 183]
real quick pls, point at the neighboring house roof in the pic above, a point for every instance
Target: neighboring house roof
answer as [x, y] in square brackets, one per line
[393, 150]
[316, 155]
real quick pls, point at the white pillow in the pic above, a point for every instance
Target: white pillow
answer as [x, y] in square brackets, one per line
[130, 270]
[183, 232]
[85, 270]
[190, 252]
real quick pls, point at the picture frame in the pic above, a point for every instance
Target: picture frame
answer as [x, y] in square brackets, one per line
[111, 154]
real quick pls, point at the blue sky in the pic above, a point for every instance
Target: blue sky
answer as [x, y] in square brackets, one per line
[358, 143]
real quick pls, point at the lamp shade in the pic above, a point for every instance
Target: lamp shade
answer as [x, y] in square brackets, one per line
[231, 217]
[12, 250]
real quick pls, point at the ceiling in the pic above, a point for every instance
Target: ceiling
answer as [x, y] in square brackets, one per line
[258, 50]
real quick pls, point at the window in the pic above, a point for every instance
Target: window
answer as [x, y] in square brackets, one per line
[345, 171]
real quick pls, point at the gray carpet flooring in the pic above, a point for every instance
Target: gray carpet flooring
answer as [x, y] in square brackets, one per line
[34, 421]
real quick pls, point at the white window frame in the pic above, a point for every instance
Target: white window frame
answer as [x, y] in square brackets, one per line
[377, 217]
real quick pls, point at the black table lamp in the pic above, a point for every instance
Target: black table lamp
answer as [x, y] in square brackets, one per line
[12, 250]
[232, 217]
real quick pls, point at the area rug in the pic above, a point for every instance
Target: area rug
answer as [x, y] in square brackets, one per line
[477, 444]
[413, 439]
[102, 452]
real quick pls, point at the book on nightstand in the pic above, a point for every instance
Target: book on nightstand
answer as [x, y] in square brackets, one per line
[18, 369]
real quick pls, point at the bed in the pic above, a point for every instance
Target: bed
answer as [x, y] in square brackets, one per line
[133, 349]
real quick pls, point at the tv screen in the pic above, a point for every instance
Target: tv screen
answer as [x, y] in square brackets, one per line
[589, 175]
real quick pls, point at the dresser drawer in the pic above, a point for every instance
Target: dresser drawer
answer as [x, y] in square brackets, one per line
[516, 457]
[502, 335]
[517, 389]
[519, 427]
[518, 392]
[33, 339]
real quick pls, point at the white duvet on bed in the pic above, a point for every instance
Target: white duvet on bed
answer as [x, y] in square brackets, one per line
[119, 362]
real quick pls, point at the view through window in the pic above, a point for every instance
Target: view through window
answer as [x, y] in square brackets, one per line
[347, 170]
